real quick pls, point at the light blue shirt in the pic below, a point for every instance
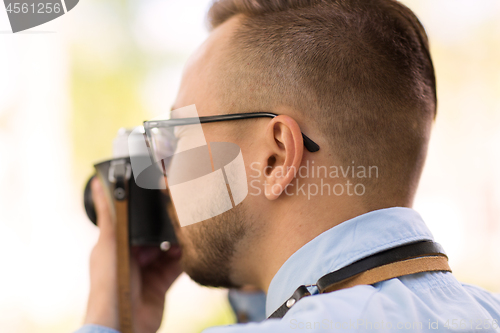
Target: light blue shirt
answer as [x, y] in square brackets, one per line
[430, 302]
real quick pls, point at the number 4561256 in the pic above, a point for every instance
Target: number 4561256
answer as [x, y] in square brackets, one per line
[39, 8]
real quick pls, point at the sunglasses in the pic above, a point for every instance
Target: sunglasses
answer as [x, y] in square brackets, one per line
[162, 141]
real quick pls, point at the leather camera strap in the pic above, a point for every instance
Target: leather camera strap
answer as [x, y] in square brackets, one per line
[425, 256]
[120, 196]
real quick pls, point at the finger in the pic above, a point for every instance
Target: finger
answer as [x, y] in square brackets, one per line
[175, 252]
[160, 274]
[145, 255]
[104, 220]
[169, 265]
[170, 271]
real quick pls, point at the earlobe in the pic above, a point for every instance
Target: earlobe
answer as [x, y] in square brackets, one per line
[284, 138]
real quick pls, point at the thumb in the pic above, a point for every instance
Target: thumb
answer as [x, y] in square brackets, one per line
[103, 212]
[102, 307]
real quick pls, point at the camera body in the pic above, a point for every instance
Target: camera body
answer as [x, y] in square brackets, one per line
[148, 210]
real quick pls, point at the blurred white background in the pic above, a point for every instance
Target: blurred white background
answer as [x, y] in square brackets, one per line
[67, 86]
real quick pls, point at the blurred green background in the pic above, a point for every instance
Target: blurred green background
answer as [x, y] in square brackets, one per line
[67, 87]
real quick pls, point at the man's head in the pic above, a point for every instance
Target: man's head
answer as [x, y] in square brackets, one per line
[356, 76]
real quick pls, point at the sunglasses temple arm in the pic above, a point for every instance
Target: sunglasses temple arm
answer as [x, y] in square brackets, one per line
[310, 144]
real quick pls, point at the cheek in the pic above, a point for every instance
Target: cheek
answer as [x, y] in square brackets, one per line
[255, 177]
[190, 138]
[185, 238]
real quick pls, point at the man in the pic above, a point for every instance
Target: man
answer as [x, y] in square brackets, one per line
[356, 77]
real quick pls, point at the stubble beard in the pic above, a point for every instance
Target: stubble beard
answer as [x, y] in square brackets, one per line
[209, 247]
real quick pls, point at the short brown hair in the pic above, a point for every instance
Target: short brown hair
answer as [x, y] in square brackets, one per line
[359, 69]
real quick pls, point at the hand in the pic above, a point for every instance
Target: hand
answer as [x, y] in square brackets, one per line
[152, 273]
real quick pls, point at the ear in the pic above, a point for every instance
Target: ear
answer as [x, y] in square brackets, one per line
[286, 147]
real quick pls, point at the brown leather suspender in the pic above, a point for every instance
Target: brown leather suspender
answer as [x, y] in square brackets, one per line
[390, 271]
[425, 256]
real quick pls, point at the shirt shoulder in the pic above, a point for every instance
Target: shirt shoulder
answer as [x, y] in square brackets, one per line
[489, 301]
[89, 328]
[305, 313]
[420, 302]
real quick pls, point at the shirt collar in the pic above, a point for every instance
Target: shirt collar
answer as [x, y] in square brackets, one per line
[342, 245]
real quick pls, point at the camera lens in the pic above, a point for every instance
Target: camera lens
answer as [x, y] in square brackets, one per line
[88, 202]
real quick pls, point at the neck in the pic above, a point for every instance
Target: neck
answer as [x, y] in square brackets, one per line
[291, 226]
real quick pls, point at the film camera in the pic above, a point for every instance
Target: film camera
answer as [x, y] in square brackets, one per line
[147, 209]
